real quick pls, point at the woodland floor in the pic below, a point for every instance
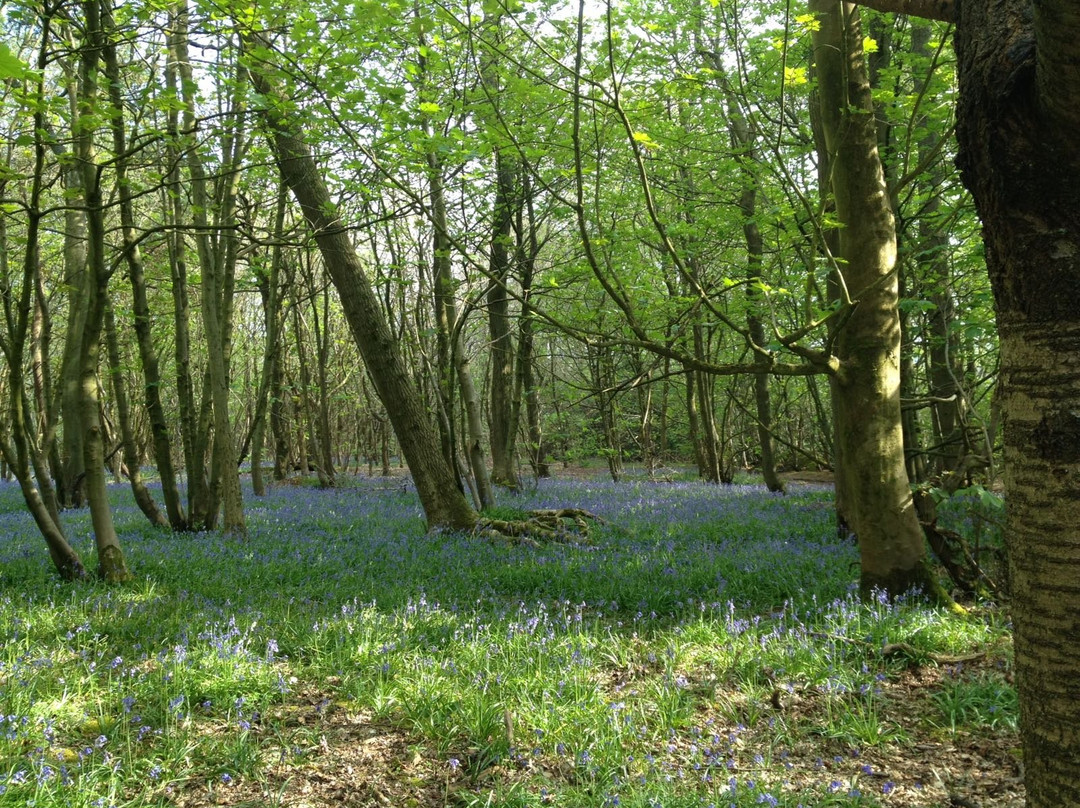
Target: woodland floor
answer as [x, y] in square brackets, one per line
[321, 746]
[360, 761]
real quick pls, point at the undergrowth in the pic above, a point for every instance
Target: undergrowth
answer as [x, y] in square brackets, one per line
[704, 641]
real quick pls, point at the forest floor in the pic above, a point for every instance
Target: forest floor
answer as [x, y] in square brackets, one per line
[705, 648]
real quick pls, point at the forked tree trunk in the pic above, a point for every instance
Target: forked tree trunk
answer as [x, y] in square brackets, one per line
[1017, 125]
[155, 409]
[444, 503]
[111, 565]
[139, 490]
[872, 479]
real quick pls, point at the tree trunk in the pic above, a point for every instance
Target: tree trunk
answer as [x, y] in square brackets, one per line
[503, 407]
[193, 439]
[18, 453]
[111, 565]
[216, 266]
[123, 414]
[1016, 124]
[443, 502]
[270, 293]
[756, 328]
[872, 479]
[159, 423]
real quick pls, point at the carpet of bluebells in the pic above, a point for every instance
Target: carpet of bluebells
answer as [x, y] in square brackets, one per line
[699, 650]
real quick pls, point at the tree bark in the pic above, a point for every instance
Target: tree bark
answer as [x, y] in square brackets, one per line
[111, 565]
[503, 407]
[215, 288]
[1017, 121]
[139, 490]
[443, 502]
[270, 293]
[155, 409]
[872, 480]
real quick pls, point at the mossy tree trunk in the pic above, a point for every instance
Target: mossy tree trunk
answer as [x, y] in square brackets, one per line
[444, 503]
[872, 480]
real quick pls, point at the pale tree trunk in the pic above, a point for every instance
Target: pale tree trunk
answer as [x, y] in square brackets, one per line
[159, 422]
[444, 503]
[1017, 125]
[216, 265]
[872, 479]
[270, 293]
[193, 438]
[111, 565]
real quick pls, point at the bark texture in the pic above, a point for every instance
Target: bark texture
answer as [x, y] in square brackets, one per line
[444, 503]
[1019, 69]
[872, 480]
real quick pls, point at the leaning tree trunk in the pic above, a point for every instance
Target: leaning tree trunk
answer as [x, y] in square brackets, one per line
[444, 503]
[1017, 122]
[872, 480]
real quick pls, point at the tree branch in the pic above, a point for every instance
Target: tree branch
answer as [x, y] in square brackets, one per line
[944, 10]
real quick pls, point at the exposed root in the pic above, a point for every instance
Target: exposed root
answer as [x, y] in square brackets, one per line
[543, 526]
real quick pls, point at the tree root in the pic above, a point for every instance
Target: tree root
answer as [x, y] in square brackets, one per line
[540, 527]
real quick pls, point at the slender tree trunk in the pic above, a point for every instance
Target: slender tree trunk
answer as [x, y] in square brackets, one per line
[142, 495]
[443, 502]
[453, 359]
[216, 267]
[159, 422]
[1016, 125]
[270, 292]
[111, 565]
[194, 439]
[754, 251]
[872, 478]
[17, 454]
[503, 406]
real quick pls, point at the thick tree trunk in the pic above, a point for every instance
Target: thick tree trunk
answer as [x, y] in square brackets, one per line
[872, 480]
[503, 410]
[1017, 122]
[443, 502]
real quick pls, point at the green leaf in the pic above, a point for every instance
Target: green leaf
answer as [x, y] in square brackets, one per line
[429, 107]
[11, 66]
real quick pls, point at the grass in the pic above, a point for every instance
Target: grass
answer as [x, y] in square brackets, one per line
[706, 649]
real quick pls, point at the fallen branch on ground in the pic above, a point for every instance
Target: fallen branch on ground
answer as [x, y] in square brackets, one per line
[543, 526]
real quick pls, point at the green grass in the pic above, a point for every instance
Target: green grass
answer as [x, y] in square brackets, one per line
[705, 650]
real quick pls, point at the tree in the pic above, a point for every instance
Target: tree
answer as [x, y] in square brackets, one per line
[1018, 114]
[444, 503]
[1017, 121]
